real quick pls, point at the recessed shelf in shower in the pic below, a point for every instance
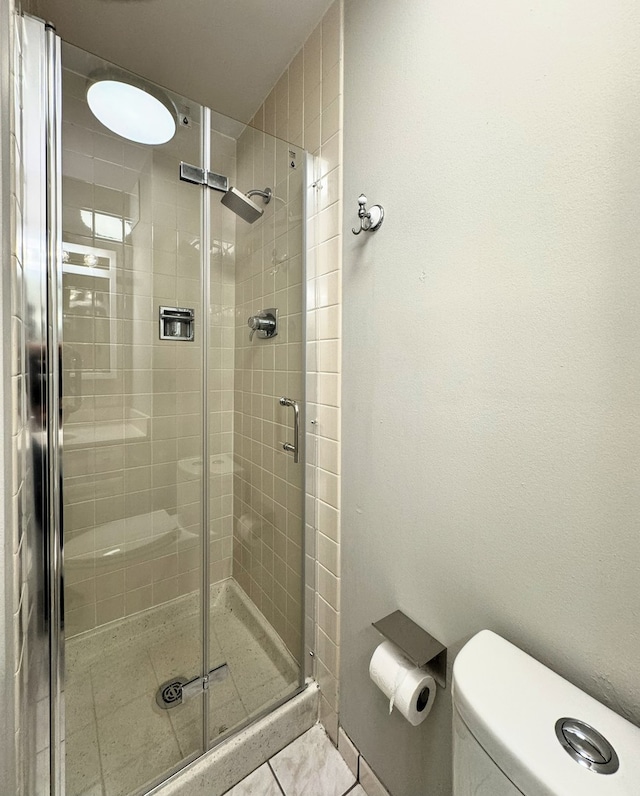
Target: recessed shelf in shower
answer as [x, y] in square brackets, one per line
[176, 323]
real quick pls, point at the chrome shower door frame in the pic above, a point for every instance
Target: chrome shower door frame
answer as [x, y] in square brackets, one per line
[205, 247]
[41, 296]
[53, 128]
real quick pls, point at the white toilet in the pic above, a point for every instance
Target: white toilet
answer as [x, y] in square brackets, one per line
[518, 730]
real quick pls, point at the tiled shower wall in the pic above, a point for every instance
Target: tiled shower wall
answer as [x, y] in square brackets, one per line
[305, 107]
[221, 365]
[133, 417]
[268, 497]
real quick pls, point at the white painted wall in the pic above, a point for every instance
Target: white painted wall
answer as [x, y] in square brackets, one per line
[491, 388]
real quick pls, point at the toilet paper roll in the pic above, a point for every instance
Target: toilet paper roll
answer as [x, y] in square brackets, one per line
[410, 689]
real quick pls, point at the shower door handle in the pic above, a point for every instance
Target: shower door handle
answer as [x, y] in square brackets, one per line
[287, 446]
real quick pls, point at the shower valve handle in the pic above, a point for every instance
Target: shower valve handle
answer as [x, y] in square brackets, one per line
[265, 323]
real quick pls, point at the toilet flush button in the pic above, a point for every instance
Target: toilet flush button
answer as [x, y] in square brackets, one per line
[587, 746]
[582, 741]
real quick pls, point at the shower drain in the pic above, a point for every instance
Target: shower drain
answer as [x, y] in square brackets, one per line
[175, 691]
[170, 693]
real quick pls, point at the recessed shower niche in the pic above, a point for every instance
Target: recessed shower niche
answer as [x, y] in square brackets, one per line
[179, 612]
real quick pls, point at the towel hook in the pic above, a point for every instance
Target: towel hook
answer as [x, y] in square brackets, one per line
[370, 220]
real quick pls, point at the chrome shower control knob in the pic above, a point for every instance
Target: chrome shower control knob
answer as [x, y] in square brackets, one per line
[265, 323]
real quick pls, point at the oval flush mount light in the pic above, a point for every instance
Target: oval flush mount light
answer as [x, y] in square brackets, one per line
[131, 112]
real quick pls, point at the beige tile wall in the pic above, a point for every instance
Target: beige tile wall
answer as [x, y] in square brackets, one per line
[124, 491]
[268, 496]
[221, 364]
[305, 107]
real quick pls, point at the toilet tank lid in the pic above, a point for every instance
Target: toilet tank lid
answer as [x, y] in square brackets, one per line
[511, 702]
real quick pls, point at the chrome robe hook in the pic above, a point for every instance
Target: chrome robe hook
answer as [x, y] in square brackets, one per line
[370, 220]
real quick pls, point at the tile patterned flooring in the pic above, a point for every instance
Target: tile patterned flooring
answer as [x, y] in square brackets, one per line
[117, 738]
[310, 766]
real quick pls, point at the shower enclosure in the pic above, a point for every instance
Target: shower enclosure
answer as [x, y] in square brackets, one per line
[173, 537]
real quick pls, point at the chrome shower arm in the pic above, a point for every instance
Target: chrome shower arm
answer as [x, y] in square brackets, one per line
[266, 194]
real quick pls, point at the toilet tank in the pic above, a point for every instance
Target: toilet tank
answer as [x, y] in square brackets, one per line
[474, 772]
[507, 708]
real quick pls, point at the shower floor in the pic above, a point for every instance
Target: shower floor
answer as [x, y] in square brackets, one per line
[117, 738]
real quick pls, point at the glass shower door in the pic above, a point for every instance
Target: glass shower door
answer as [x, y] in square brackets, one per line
[256, 487]
[133, 420]
[183, 475]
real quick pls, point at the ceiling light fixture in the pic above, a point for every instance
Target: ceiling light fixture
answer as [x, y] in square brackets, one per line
[132, 112]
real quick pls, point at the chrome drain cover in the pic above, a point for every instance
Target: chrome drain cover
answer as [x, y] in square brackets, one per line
[169, 695]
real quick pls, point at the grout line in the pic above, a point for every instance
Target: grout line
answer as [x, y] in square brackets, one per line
[275, 776]
[99, 749]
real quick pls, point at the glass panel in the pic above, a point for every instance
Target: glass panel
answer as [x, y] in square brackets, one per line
[133, 424]
[135, 430]
[256, 490]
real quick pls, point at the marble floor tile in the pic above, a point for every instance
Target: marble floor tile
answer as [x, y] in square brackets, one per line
[260, 783]
[357, 791]
[312, 766]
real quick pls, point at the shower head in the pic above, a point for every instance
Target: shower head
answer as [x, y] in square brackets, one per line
[242, 205]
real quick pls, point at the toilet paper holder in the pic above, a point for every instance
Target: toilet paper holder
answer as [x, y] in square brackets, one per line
[420, 647]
